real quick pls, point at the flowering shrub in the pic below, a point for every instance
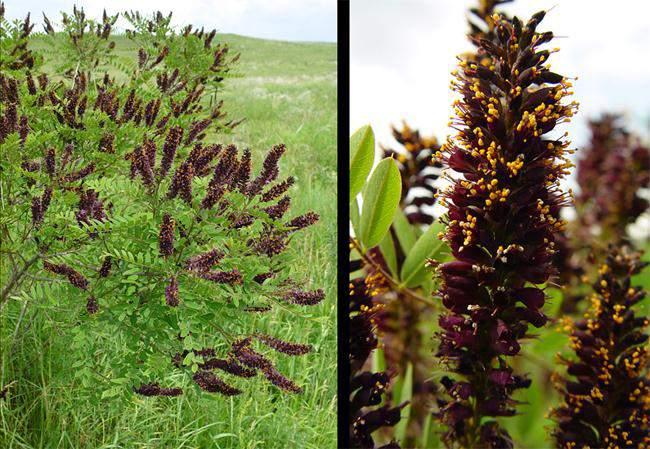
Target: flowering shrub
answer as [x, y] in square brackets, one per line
[116, 206]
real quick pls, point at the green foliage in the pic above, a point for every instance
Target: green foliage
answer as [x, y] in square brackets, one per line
[380, 200]
[426, 247]
[362, 157]
[132, 337]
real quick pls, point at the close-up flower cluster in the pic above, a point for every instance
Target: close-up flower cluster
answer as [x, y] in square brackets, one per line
[607, 392]
[503, 215]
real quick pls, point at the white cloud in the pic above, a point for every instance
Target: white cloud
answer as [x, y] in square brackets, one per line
[402, 53]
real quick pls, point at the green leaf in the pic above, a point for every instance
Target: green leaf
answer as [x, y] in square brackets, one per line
[387, 248]
[378, 361]
[362, 156]
[405, 395]
[354, 215]
[381, 199]
[414, 272]
[404, 230]
[111, 392]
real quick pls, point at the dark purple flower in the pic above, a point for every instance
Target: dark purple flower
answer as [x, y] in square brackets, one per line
[230, 366]
[166, 236]
[278, 210]
[182, 182]
[303, 221]
[269, 171]
[106, 143]
[203, 262]
[232, 277]
[502, 220]
[50, 163]
[207, 381]
[278, 189]
[303, 297]
[170, 146]
[171, 293]
[74, 277]
[606, 394]
[418, 173]
[284, 346]
[92, 306]
[105, 269]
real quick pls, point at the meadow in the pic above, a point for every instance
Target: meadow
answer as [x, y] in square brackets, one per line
[287, 94]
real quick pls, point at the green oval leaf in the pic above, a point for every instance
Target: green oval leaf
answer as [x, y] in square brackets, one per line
[404, 230]
[354, 215]
[381, 199]
[414, 272]
[362, 156]
[387, 248]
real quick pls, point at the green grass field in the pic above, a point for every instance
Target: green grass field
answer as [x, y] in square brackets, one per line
[287, 94]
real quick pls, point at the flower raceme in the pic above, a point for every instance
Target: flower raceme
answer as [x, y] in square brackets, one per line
[502, 220]
[366, 388]
[607, 397]
[417, 171]
[615, 166]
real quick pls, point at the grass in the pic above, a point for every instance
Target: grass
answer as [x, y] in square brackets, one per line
[287, 94]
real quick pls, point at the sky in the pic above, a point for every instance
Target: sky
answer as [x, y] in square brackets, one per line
[402, 53]
[303, 20]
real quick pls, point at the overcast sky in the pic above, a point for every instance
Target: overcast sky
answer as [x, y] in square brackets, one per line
[403, 50]
[295, 20]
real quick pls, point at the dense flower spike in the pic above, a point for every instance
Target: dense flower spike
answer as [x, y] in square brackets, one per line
[222, 176]
[74, 277]
[278, 189]
[171, 293]
[174, 137]
[90, 208]
[304, 298]
[203, 262]
[231, 277]
[243, 352]
[366, 388]
[105, 269]
[92, 306]
[280, 380]
[614, 168]
[207, 381]
[303, 221]
[607, 401]
[156, 390]
[284, 346]
[270, 242]
[166, 236]
[278, 210]
[418, 173]
[230, 366]
[182, 182]
[502, 220]
[243, 171]
[269, 171]
[107, 142]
